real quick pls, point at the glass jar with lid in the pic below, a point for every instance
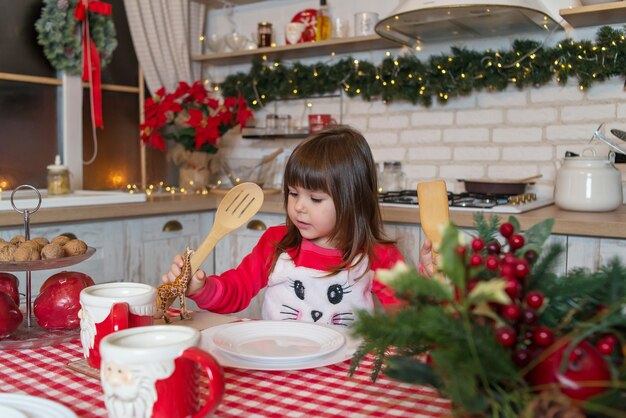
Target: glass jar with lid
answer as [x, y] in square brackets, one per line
[393, 178]
[58, 178]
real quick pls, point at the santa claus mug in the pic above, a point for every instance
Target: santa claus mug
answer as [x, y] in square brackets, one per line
[151, 372]
[110, 307]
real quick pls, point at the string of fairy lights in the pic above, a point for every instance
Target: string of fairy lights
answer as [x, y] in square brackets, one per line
[527, 63]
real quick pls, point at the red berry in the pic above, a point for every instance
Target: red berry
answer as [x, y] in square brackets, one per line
[493, 248]
[478, 244]
[471, 285]
[512, 288]
[534, 299]
[516, 241]
[511, 311]
[492, 262]
[506, 336]
[610, 338]
[604, 347]
[521, 269]
[507, 229]
[530, 256]
[509, 259]
[476, 260]
[521, 357]
[543, 336]
[461, 250]
[529, 316]
[507, 271]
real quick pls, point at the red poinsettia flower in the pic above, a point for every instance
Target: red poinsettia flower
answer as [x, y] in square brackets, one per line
[152, 137]
[191, 117]
[206, 128]
[243, 113]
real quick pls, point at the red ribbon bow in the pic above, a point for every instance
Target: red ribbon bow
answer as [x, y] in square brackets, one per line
[91, 57]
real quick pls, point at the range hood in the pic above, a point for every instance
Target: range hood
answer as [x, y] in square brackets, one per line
[417, 21]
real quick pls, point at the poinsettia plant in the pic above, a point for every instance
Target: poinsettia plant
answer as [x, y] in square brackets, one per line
[191, 117]
[499, 334]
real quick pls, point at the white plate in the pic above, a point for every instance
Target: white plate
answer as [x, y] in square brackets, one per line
[32, 407]
[277, 341]
[344, 353]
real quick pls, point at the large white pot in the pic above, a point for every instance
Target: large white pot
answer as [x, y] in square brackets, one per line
[588, 184]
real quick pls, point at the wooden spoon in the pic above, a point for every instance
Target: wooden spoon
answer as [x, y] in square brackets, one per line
[240, 204]
[433, 206]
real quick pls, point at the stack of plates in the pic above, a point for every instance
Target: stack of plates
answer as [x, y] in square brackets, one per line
[277, 345]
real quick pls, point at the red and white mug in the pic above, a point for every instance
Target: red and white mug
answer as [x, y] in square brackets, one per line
[151, 372]
[110, 307]
[319, 122]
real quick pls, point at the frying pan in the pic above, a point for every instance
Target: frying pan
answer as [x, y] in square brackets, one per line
[504, 187]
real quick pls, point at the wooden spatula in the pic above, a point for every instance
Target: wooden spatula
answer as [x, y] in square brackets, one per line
[240, 204]
[432, 198]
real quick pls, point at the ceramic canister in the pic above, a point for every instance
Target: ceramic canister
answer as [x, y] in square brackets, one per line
[588, 184]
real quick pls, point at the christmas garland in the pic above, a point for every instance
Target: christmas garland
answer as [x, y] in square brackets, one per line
[59, 35]
[407, 78]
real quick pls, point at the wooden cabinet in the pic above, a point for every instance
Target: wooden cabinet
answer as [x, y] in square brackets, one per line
[408, 237]
[153, 242]
[106, 265]
[137, 249]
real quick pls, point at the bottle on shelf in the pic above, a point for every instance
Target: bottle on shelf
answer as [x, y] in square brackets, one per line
[323, 22]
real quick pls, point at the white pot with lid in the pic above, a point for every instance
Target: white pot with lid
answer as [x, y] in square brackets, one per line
[588, 183]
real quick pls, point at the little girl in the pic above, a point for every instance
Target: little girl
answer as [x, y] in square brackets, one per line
[320, 266]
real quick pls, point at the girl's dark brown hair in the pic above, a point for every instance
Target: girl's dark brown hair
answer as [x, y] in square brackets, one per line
[338, 162]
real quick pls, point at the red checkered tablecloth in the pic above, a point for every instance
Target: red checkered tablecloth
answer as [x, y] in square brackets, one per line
[323, 392]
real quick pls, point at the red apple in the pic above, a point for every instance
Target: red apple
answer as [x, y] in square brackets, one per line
[57, 306]
[9, 285]
[65, 275]
[10, 315]
[583, 376]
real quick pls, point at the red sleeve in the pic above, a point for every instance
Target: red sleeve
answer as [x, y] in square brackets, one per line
[233, 290]
[386, 257]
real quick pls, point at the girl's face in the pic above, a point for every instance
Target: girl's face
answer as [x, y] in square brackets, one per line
[313, 213]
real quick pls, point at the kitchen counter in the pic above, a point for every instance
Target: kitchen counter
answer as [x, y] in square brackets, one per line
[607, 224]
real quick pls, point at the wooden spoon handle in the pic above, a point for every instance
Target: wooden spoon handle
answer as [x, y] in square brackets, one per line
[204, 249]
[433, 207]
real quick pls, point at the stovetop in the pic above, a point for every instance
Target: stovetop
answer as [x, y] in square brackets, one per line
[474, 202]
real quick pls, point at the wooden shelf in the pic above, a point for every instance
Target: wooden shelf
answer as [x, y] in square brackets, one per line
[218, 4]
[303, 50]
[596, 14]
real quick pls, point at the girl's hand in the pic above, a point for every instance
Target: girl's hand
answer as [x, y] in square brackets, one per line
[195, 284]
[428, 258]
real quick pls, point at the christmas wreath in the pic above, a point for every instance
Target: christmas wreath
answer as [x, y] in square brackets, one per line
[499, 334]
[59, 34]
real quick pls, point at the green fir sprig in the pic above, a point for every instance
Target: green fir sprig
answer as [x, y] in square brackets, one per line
[446, 334]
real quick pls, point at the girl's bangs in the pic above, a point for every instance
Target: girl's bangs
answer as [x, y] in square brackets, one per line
[308, 171]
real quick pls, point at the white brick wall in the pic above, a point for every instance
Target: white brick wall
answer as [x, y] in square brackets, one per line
[509, 134]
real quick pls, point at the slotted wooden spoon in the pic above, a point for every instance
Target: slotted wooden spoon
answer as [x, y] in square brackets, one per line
[240, 204]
